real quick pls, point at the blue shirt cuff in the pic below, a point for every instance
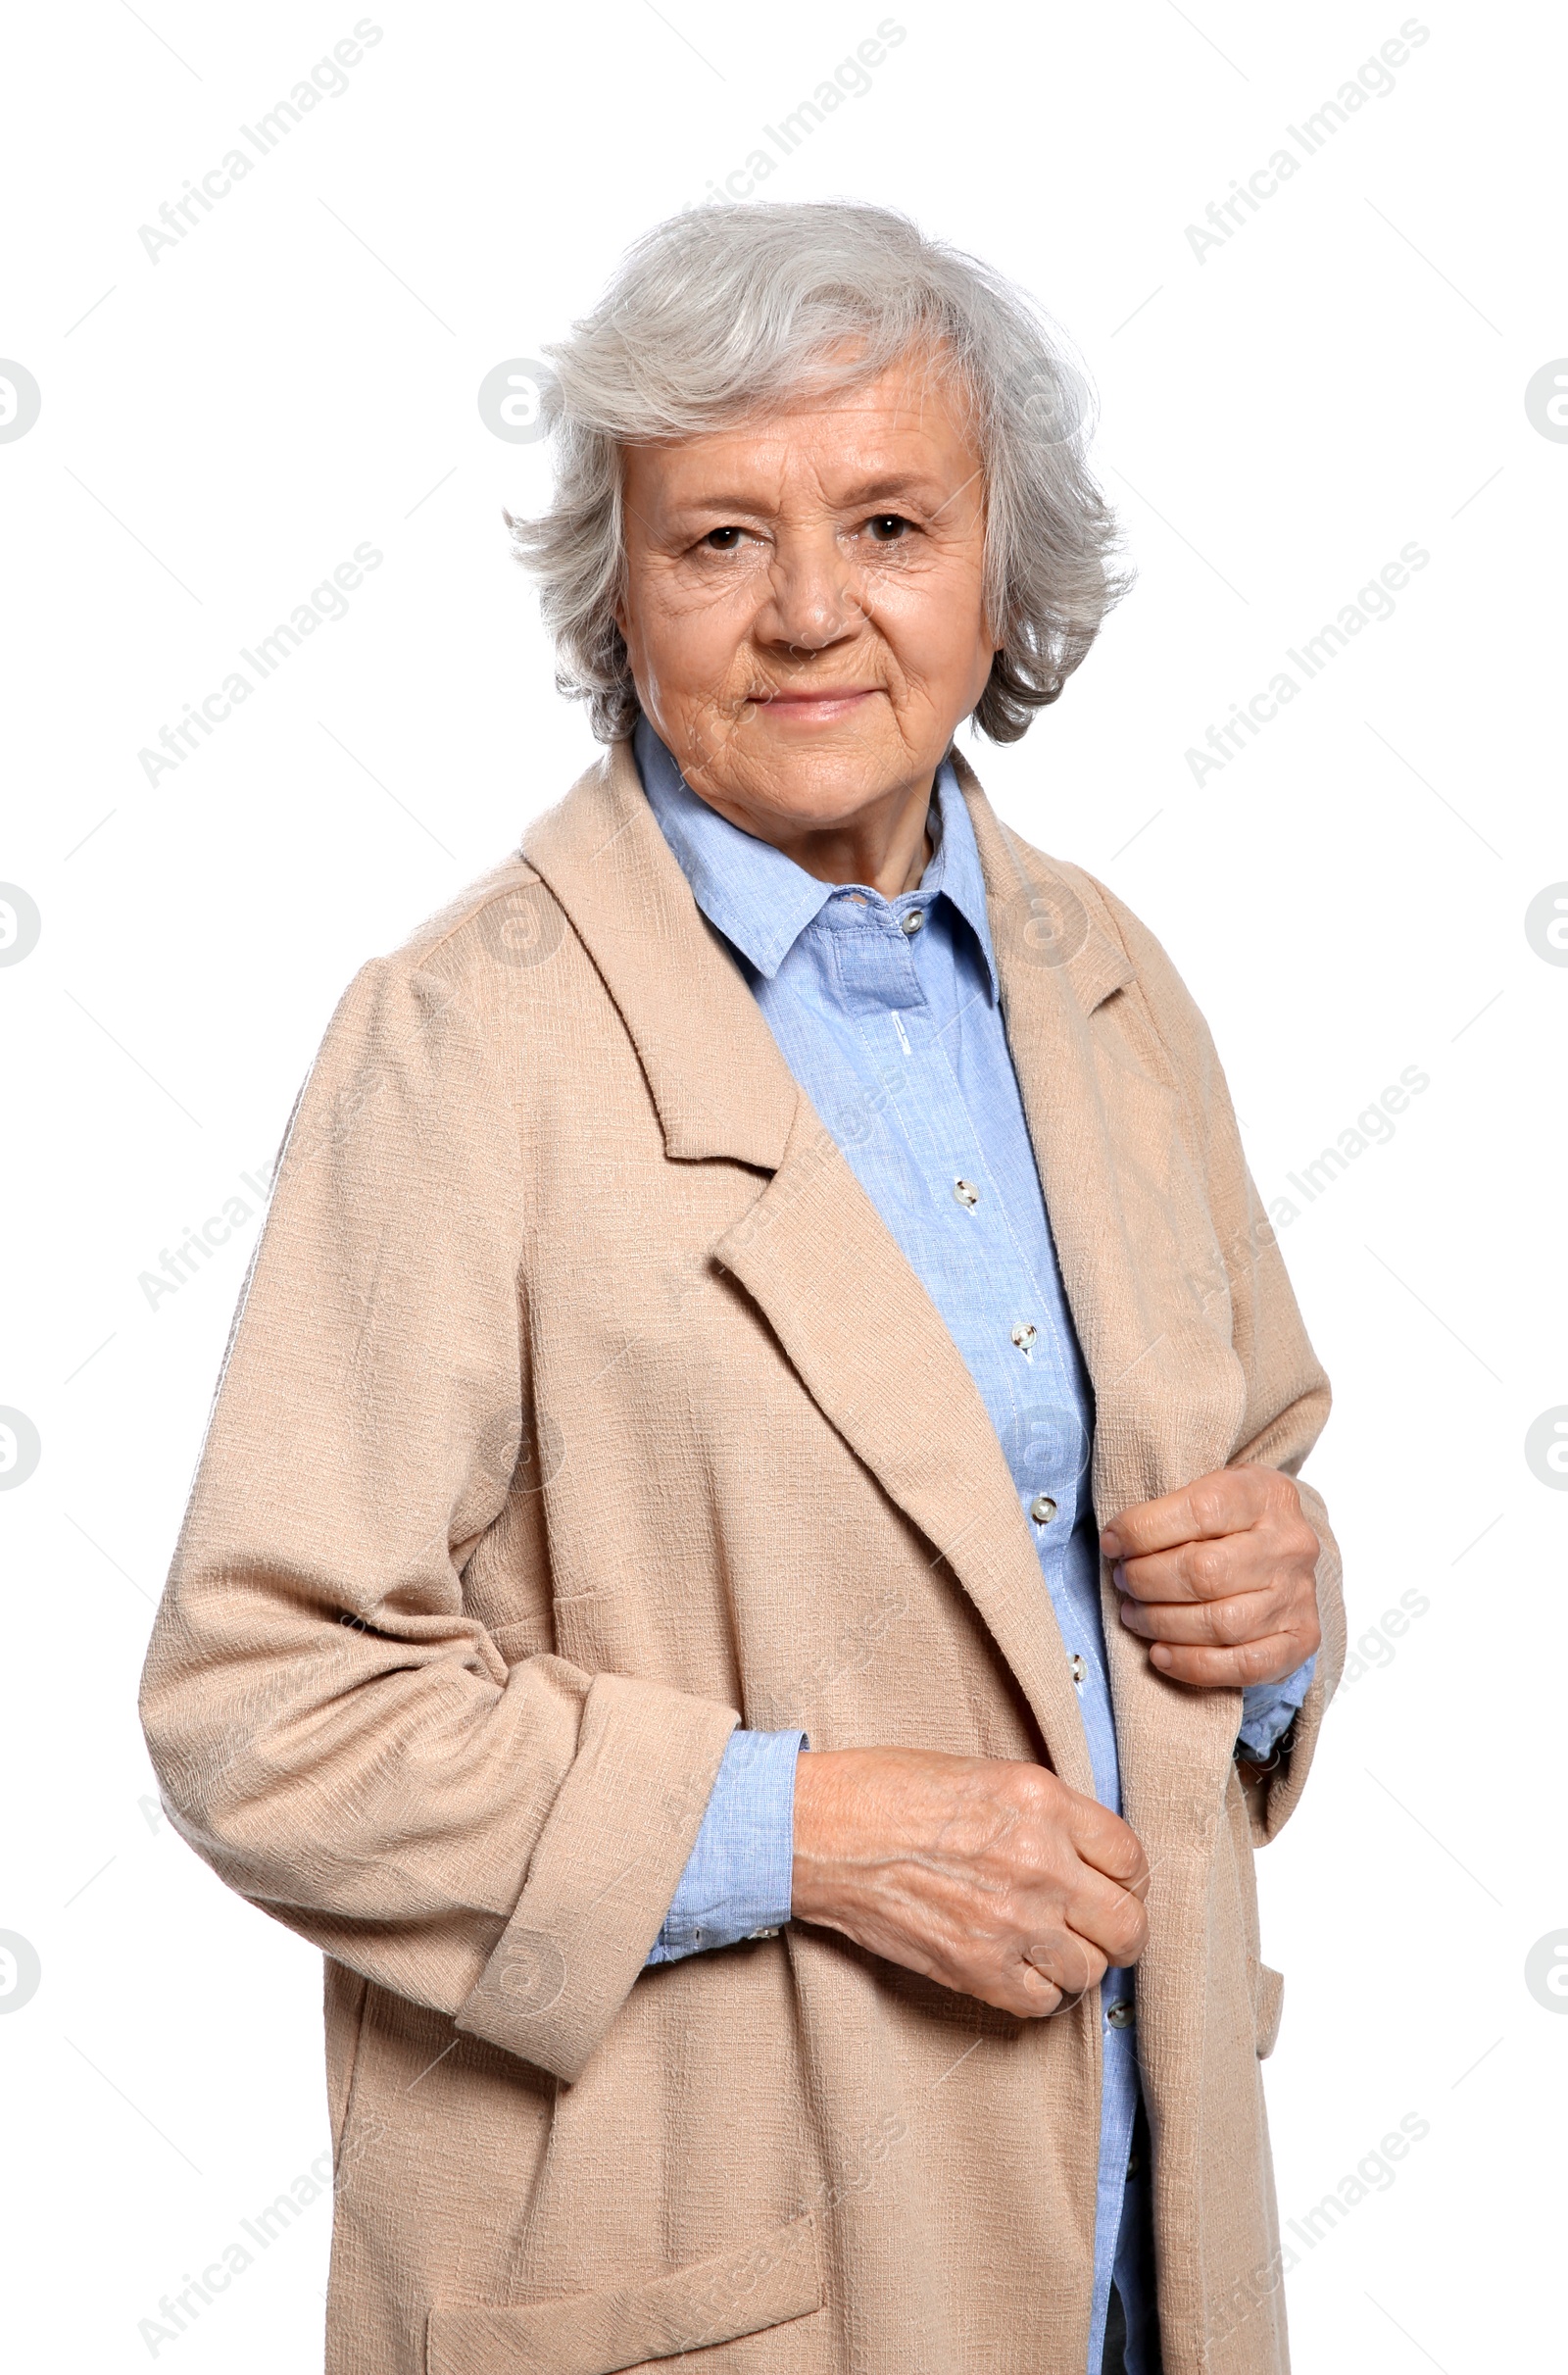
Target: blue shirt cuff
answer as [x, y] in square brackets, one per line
[1268, 1707]
[738, 1876]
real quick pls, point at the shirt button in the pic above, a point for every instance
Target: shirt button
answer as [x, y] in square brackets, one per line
[1119, 2015]
[966, 1195]
[913, 922]
[1023, 1336]
[1078, 1667]
[1042, 1508]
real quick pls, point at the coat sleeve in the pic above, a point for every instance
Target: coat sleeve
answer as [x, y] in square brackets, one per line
[333, 1728]
[1287, 1392]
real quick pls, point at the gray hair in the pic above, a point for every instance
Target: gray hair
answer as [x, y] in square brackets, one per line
[724, 310]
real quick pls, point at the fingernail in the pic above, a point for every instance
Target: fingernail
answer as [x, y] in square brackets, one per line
[1111, 1543]
[1160, 1656]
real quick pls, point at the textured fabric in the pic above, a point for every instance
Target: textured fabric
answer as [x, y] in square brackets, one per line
[550, 1441]
[1268, 1707]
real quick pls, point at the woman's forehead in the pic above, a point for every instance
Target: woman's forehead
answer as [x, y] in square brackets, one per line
[880, 438]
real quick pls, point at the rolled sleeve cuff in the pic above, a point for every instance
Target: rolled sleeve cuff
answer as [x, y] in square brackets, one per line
[1268, 1707]
[737, 1880]
[620, 1831]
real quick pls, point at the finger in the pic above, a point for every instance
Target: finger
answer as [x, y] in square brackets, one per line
[1071, 1964]
[1013, 1987]
[1107, 1910]
[1201, 1570]
[1036, 1996]
[1109, 1918]
[1105, 1843]
[1126, 1956]
[1267, 1661]
[1223, 1624]
[1225, 1503]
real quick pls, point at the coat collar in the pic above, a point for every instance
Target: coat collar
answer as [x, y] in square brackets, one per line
[1038, 924]
[712, 1066]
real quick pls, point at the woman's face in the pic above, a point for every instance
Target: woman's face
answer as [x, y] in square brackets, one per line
[803, 606]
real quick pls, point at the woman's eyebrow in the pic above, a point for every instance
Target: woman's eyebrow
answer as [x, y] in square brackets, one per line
[909, 485]
[893, 484]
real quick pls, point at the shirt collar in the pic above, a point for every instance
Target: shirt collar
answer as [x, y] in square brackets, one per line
[760, 899]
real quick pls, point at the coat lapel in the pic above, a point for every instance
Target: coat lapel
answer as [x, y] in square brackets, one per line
[813, 1253]
[1142, 1271]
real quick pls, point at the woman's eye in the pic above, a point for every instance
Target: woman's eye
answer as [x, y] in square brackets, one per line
[887, 527]
[722, 539]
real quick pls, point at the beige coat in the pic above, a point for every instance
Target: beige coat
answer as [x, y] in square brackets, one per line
[580, 1404]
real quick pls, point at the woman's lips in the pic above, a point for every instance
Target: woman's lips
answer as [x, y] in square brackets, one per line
[833, 701]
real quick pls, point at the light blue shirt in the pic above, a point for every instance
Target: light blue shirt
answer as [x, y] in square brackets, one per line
[887, 1013]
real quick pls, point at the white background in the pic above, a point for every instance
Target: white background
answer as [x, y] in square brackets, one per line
[222, 426]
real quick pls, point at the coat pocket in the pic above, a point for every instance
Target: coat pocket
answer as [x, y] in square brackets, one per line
[1268, 1999]
[690, 2308]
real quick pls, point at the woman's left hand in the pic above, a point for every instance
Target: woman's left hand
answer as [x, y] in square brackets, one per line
[1220, 1578]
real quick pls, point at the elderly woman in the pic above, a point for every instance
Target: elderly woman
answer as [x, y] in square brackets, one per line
[744, 1584]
